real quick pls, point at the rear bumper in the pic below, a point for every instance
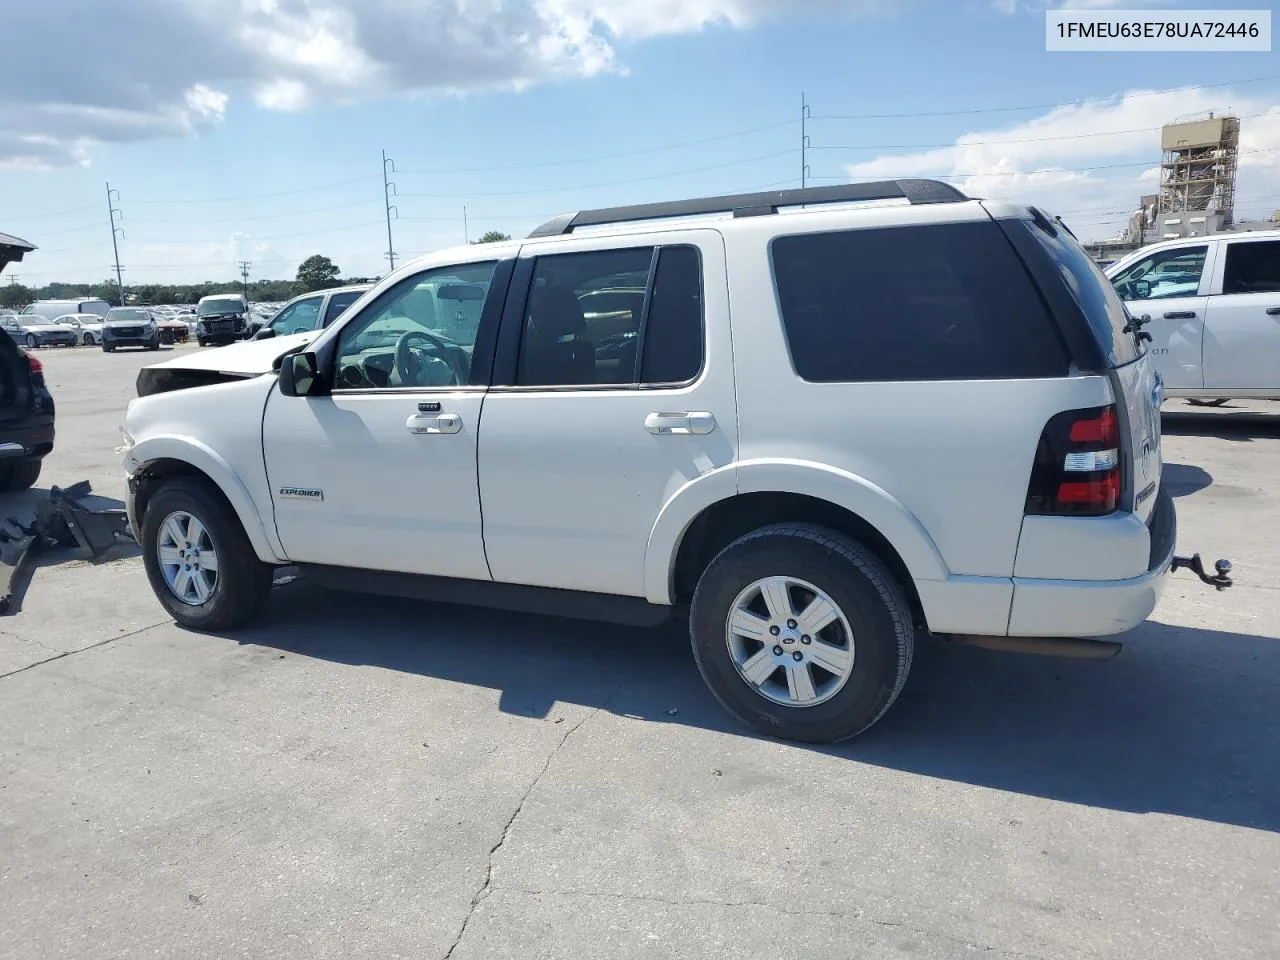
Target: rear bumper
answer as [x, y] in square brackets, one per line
[1097, 608]
[31, 439]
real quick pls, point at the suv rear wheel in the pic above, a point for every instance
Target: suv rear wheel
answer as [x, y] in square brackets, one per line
[199, 561]
[802, 633]
[16, 477]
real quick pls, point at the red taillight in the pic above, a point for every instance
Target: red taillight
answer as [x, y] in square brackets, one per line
[1100, 429]
[1078, 467]
[32, 362]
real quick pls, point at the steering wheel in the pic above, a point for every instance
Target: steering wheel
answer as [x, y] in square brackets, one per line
[407, 365]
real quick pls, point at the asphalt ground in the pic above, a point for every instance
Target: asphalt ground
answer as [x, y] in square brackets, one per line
[361, 777]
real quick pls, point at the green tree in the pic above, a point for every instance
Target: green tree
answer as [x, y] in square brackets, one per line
[14, 295]
[493, 236]
[316, 273]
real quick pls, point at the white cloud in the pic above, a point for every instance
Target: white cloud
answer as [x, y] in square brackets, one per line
[1093, 161]
[294, 54]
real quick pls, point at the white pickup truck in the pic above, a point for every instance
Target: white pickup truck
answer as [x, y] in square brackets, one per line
[1212, 308]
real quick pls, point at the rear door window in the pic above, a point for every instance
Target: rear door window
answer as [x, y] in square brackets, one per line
[339, 302]
[1253, 266]
[937, 302]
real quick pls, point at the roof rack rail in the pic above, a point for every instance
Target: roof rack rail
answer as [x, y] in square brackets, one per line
[756, 204]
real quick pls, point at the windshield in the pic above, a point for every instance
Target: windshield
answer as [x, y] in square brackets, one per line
[213, 308]
[127, 315]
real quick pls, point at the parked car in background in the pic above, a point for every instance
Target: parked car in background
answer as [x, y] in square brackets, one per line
[35, 330]
[88, 327]
[57, 308]
[26, 417]
[312, 311]
[1212, 308]
[130, 327]
[172, 330]
[222, 318]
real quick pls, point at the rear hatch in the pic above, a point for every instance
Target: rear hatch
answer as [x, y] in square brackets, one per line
[1097, 327]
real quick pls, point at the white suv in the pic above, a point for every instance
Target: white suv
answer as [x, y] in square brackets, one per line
[1212, 308]
[820, 431]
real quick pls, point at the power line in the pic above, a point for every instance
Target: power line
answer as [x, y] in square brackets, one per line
[611, 183]
[994, 143]
[264, 196]
[604, 156]
[264, 216]
[278, 236]
[1023, 173]
[1038, 106]
[244, 275]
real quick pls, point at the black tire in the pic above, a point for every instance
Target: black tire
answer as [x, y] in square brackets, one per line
[1197, 402]
[870, 598]
[107, 348]
[200, 341]
[32, 343]
[154, 344]
[16, 477]
[88, 340]
[243, 583]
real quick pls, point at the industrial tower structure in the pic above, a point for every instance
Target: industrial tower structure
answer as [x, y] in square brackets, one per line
[1198, 168]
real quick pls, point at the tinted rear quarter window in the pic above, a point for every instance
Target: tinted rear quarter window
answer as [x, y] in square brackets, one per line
[1092, 292]
[937, 302]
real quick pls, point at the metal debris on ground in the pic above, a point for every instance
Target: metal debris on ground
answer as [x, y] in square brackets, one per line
[62, 519]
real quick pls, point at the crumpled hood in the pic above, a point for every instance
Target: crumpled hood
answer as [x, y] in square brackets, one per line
[247, 358]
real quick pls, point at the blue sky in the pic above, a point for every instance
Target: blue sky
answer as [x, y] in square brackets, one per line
[262, 140]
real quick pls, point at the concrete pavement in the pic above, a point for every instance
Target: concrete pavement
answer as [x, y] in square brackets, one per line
[368, 777]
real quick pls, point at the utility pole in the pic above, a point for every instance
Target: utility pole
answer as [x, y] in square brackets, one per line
[113, 197]
[388, 188]
[466, 234]
[804, 141]
[244, 274]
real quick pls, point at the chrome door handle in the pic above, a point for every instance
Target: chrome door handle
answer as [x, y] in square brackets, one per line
[666, 424]
[1181, 315]
[420, 425]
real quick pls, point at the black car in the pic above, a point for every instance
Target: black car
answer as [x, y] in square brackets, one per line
[26, 417]
[222, 318]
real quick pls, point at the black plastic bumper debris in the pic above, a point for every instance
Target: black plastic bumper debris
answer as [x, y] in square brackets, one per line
[61, 520]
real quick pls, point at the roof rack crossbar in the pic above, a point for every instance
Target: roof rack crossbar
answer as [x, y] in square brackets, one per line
[756, 204]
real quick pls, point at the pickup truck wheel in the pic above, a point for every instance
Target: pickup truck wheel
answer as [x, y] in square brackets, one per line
[16, 477]
[802, 633]
[199, 561]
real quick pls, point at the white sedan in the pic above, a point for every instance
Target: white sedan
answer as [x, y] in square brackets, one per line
[88, 327]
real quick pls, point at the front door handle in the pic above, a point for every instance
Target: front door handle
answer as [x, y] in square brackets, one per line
[666, 424]
[1273, 311]
[1181, 315]
[420, 425]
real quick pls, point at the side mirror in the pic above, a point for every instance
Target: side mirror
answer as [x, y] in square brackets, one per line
[299, 375]
[265, 333]
[1141, 289]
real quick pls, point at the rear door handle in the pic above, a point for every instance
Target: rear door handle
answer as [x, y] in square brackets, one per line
[1273, 311]
[1181, 315]
[666, 424]
[420, 425]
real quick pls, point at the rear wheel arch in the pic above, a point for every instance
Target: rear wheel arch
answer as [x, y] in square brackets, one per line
[725, 521]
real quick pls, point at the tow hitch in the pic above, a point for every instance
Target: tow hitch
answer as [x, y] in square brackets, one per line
[1196, 566]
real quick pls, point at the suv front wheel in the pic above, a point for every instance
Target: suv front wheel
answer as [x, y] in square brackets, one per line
[200, 563]
[802, 633]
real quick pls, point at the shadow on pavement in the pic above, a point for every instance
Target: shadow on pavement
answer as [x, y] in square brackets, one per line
[1241, 426]
[1184, 722]
[1184, 479]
